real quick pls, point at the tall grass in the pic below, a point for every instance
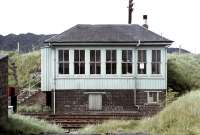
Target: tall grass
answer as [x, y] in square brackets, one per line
[182, 117]
[28, 125]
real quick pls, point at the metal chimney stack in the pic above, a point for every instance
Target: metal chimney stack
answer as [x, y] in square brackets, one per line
[145, 22]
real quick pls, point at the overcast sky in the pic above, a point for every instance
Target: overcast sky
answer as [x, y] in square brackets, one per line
[178, 20]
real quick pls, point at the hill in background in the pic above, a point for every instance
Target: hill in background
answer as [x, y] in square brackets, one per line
[30, 41]
[27, 42]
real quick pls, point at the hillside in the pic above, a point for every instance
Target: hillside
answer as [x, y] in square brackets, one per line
[31, 41]
[27, 42]
[182, 117]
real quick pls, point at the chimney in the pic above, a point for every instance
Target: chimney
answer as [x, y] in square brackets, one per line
[145, 21]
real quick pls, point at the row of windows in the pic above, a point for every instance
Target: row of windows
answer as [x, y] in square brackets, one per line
[111, 61]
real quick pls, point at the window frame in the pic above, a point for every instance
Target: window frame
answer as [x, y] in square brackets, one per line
[157, 62]
[127, 62]
[144, 61]
[79, 62]
[111, 62]
[63, 62]
[157, 97]
[95, 62]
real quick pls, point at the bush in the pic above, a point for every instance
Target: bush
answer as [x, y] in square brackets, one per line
[183, 72]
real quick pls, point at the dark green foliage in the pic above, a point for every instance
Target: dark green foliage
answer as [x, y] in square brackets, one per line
[183, 72]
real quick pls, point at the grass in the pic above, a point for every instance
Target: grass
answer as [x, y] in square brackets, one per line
[181, 117]
[32, 108]
[28, 125]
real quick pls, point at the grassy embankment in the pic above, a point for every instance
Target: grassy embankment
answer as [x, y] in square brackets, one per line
[25, 125]
[182, 117]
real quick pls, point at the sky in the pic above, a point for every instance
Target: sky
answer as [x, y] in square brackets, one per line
[177, 20]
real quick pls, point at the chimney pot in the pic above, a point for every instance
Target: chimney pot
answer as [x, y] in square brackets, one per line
[145, 21]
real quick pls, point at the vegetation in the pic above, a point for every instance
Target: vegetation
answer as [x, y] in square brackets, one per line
[182, 117]
[24, 69]
[25, 125]
[33, 108]
[183, 72]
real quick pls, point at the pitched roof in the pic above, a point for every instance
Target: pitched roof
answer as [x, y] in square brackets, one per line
[127, 33]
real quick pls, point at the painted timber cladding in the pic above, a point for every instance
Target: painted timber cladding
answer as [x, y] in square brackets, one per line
[52, 80]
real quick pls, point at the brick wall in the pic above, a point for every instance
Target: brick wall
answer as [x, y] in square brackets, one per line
[68, 101]
[3, 87]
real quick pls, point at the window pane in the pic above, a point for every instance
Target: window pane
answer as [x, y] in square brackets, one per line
[66, 68]
[98, 68]
[82, 55]
[82, 68]
[124, 55]
[76, 68]
[158, 55]
[139, 55]
[129, 55]
[108, 55]
[108, 68]
[113, 55]
[98, 56]
[92, 55]
[66, 55]
[92, 68]
[123, 68]
[129, 68]
[153, 55]
[144, 56]
[158, 68]
[60, 55]
[61, 68]
[76, 55]
[113, 68]
[153, 67]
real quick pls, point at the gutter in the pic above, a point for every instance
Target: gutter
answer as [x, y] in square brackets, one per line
[107, 44]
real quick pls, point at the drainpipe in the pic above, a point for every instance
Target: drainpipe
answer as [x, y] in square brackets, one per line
[54, 92]
[135, 91]
[54, 79]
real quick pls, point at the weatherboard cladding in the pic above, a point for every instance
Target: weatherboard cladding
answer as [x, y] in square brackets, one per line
[129, 33]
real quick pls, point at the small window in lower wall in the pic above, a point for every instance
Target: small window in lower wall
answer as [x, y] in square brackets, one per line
[152, 97]
[95, 102]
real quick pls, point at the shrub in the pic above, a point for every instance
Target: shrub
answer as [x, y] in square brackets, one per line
[183, 72]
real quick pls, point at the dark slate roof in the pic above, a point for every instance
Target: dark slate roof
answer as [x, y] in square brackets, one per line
[84, 33]
[2, 56]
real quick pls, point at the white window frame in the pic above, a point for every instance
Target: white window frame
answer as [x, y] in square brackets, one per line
[156, 62]
[58, 62]
[157, 100]
[126, 62]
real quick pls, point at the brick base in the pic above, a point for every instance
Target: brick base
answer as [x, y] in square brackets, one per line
[77, 101]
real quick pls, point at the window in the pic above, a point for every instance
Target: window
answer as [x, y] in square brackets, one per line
[95, 62]
[155, 65]
[63, 61]
[95, 102]
[127, 61]
[111, 63]
[142, 65]
[79, 61]
[152, 97]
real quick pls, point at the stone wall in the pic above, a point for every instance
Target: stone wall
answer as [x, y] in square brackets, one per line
[68, 101]
[3, 87]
